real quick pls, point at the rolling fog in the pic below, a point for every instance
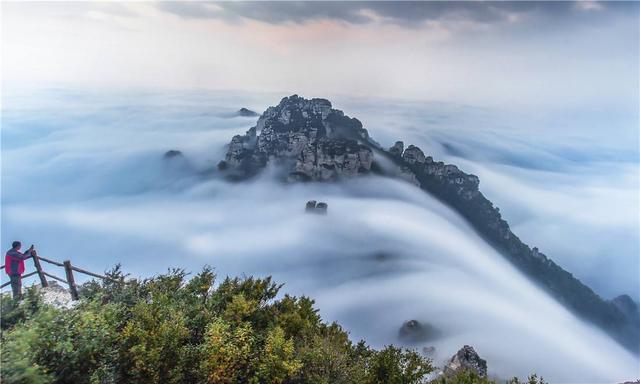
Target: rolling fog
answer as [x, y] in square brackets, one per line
[84, 179]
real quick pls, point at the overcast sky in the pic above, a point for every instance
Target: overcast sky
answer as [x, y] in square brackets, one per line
[566, 55]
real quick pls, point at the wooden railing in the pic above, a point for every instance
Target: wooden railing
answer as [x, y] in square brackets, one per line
[68, 269]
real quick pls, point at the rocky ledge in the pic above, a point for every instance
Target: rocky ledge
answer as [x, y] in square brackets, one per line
[311, 141]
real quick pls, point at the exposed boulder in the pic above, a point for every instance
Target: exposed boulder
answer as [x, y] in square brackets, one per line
[466, 360]
[413, 155]
[319, 208]
[311, 206]
[55, 295]
[244, 112]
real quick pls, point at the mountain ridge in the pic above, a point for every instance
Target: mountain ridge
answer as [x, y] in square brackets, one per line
[311, 141]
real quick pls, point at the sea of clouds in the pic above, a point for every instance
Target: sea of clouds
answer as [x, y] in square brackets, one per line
[83, 177]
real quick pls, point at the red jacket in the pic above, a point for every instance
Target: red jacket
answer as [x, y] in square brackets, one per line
[14, 262]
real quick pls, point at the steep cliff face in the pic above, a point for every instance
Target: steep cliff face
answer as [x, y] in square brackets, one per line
[308, 138]
[312, 141]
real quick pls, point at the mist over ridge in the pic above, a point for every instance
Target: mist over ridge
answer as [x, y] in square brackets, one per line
[115, 200]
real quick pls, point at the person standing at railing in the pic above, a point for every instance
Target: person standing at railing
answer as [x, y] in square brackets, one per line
[14, 266]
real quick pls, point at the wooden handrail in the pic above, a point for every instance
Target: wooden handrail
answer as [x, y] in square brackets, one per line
[36, 263]
[68, 268]
[55, 277]
[72, 283]
[51, 261]
[91, 273]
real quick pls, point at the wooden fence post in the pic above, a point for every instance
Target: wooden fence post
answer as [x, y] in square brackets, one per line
[43, 279]
[72, 284]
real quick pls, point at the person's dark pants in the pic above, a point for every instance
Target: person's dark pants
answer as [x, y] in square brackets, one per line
[16, 286]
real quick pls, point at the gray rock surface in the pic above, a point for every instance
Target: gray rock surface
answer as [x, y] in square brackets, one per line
[308, 138]
[466, 360]
[407, 174]
[413, 155]
[56, 295]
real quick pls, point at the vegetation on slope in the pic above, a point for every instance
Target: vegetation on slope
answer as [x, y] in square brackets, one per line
[168, 329]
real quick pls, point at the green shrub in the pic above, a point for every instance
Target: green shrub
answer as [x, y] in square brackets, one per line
[168, 329]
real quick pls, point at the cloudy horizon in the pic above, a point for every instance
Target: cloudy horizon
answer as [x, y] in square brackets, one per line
[557, 55]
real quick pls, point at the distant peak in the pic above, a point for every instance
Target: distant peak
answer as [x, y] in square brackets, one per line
[245, 112]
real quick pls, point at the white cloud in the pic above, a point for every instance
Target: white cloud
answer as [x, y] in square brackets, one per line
[588, 6]
[386, 252]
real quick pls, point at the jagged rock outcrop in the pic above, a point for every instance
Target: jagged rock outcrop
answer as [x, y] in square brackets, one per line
[312, 141]
[318, 208]
[308, 138]
[466, 360]
[413, 155]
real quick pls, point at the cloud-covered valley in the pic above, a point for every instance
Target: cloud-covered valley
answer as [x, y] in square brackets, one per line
[84, 178]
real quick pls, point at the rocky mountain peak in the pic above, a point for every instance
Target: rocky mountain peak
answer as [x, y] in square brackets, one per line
[295, 101]
[310, 139]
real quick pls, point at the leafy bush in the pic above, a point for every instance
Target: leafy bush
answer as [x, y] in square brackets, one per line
[168, 329]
